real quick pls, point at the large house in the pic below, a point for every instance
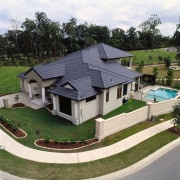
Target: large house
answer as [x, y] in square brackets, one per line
[84, 84]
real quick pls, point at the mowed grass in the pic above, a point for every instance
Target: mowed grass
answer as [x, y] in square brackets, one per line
[42, 124]
[35, 170]
[143, 55]
[9, 82]
[162, 71]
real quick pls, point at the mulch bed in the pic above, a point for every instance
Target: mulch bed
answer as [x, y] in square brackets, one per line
[50, 107]
[64, 145]
[18, 105]
[175, 131]
[18, 133]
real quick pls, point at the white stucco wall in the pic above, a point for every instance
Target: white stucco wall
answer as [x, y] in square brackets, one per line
[88, 109]
[112, 125]
[106, 107]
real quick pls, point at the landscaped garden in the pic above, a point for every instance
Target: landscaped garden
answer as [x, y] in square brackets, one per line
[35, 170]
[41, 124]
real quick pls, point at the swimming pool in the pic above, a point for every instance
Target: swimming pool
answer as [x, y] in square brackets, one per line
[161, 94]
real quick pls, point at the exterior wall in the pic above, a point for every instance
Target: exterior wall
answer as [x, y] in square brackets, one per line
[106, 107]
[162, 107]
[83, 111]
[89, 109]
[32, 75]
[24, 85]
[107, 127]
[113, 103]
[122, 121]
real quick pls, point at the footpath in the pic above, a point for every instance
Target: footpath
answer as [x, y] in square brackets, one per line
[17, 149]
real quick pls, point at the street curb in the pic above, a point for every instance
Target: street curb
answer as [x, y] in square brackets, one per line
[140, 164]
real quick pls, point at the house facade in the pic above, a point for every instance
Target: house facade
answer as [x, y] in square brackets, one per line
[84, 84]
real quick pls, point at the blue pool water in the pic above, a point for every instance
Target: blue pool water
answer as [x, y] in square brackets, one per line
[161, 94]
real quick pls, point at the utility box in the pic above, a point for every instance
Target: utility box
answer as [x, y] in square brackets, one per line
[5, 103]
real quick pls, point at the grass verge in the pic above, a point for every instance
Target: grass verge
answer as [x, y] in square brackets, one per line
[35, 170]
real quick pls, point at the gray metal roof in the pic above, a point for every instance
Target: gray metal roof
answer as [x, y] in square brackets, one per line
[51, 70]
[108, 52]
[87, 71]
[82, 89]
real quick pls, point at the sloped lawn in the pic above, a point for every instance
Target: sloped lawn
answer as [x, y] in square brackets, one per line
[42, 124]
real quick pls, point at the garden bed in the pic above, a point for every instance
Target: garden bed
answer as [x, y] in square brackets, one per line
[18, 133]
[174, 130]
[18, 105]
[59, 145]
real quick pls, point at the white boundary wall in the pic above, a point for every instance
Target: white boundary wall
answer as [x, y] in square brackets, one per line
[112, 125]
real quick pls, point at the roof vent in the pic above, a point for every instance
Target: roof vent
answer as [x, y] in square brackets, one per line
[112, 80]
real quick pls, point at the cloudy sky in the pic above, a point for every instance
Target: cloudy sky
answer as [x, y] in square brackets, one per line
[112, 13]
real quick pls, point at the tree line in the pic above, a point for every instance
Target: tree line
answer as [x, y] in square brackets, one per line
[41, 37]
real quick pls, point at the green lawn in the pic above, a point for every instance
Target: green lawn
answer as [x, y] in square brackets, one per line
[47, 125]
[131, 105]
[143, 55]
[162, 71]
[35, 170]
[9, 82]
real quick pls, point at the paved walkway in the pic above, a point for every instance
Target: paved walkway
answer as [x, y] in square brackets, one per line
[17, 149]
[23, 98]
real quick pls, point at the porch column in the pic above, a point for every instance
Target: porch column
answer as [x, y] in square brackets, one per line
[30, 91]
[54, 103]
[43, 95]
[130, 63]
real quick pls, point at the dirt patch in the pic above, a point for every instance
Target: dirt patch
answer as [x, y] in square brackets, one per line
[18, 133]
[64, 145]
[174, 130]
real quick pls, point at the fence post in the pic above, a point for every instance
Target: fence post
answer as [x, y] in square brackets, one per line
[99, 129]
[149, 104]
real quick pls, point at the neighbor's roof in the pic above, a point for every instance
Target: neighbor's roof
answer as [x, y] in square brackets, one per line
[86, 70]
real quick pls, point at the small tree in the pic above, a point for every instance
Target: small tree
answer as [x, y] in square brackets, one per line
[155, 71]
[167, 61]
[16, 98]
[169, 77]
[176, 115]
[139, 68]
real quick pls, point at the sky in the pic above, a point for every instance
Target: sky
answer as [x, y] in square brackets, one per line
[112, 13]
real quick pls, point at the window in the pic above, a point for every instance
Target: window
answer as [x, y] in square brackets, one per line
[107, 95]
[65, 105]
[90, 98]
[119, 89]
[125, 89]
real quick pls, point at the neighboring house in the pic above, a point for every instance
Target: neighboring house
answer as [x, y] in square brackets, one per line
[84, 84]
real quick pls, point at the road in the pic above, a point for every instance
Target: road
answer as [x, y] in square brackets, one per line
[164, 168]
